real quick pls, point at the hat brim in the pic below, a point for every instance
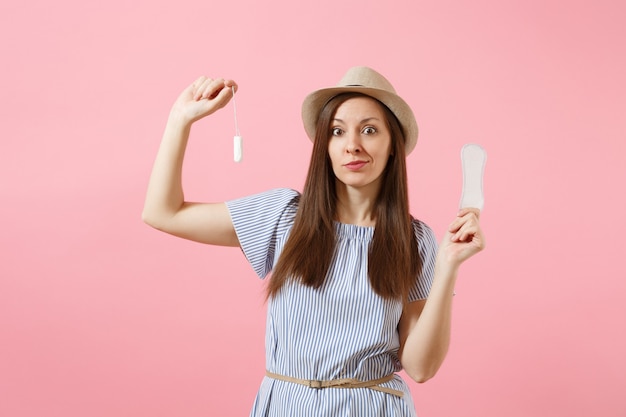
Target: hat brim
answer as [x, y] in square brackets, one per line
[314, 102]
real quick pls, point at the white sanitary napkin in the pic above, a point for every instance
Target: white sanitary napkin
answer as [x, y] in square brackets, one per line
[473, 158]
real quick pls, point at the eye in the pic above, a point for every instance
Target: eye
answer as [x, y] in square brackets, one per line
[369, 130]
[336, 131]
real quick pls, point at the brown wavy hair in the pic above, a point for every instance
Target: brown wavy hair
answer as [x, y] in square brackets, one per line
[393, 262]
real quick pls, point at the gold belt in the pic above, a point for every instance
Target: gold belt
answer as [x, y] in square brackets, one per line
[341, 383]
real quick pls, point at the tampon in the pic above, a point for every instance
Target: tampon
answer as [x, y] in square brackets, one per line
[238, 148]
[238, 140]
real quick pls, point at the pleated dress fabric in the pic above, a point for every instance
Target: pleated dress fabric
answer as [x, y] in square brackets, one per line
[342, 330]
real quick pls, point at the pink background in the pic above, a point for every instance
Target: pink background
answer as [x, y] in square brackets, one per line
[102, 316]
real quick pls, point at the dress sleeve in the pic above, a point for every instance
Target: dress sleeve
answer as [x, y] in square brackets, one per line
[427, 248]
[260, 221]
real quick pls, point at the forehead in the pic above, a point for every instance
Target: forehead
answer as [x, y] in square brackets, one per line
[360, 108]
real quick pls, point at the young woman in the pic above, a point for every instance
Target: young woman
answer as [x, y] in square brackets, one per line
[359, 289]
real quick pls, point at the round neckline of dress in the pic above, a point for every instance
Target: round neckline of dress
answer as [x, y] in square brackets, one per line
[354, 230]
[352, 225]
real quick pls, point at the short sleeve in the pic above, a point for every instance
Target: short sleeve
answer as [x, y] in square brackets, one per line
[427, 249]
[260, 221]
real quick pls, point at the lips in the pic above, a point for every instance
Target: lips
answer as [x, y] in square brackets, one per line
[355, 165]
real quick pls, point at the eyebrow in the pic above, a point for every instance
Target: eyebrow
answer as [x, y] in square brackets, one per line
[362, 121]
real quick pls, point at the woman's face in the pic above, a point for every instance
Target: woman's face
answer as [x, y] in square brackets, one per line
[359, 144]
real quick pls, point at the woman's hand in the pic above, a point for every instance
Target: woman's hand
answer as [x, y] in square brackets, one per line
[202, 98]
[464, 238]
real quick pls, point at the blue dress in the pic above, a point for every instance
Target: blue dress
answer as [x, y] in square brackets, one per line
[342, 330]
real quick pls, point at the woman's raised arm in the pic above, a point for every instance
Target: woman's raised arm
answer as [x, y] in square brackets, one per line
[165, 207]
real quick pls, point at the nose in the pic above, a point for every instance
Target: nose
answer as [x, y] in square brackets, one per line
[353, 143]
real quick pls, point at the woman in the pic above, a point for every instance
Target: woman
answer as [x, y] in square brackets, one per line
[359, 289]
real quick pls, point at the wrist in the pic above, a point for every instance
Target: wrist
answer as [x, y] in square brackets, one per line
[177, 118]
[446, 268]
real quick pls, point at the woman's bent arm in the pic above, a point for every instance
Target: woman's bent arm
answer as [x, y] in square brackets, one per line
[425, 325]
[425, 329]
[165, 207]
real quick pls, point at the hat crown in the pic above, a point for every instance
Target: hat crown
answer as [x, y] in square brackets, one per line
[365, 77]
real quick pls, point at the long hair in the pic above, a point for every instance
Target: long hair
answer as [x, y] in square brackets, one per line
[393, 262]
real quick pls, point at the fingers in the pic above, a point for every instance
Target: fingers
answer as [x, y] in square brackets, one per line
[464, 211]
[208, 88]
[464, 238]
[230, 84]
[465, 226]
[204, 96]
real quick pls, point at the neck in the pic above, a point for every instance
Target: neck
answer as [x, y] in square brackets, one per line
[356, 205]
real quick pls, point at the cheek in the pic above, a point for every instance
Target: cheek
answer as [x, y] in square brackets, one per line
[334, 151]
[385, 151]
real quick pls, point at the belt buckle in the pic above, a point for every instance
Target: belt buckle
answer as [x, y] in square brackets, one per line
[315, 384]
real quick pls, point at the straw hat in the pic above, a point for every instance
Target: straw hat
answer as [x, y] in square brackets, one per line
[369, 82]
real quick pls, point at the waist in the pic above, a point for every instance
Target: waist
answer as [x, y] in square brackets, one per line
[373, 384]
